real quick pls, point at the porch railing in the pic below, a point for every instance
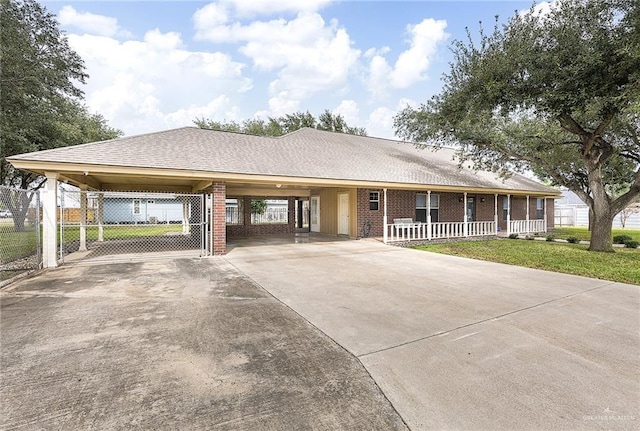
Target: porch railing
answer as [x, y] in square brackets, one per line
[527, 226]
[428, 231]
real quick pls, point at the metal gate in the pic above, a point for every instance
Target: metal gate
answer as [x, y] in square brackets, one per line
[100, 224]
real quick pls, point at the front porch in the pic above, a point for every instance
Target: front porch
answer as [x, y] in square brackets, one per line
[433, 216]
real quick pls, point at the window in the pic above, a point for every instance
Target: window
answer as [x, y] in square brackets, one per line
[505, 207]
[374, 201]
[421, 207]
[233, 211]
[136, 206]
[151, 202]
[540, 209]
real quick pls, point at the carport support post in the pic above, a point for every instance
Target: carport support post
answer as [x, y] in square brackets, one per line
[100, 217]
[83, 218]
[219, 228]
[384, 218]
[49, 225]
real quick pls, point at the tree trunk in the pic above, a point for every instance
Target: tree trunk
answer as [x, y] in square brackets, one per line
[601, 226]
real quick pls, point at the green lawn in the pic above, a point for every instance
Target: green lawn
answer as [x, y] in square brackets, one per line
[72, 233]
[622, 266]
[583, 234]
[15, 245]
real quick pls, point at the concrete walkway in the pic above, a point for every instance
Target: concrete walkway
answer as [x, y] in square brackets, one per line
[462, 344]
[178, 344]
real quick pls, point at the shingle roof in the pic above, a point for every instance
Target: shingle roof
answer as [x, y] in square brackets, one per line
[306, 153]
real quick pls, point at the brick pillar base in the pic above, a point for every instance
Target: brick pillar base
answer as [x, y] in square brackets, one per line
[219, 219]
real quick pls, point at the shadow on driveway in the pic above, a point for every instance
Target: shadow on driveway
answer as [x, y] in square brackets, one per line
[175, 344]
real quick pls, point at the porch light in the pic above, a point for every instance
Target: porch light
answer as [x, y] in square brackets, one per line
[481, 199]
[460, 199]
[278, 185]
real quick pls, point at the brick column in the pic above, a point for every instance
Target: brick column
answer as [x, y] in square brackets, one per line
[219, 227]
[292, 214]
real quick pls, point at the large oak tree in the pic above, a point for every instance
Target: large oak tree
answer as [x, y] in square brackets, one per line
[556, 92]
[40, 101]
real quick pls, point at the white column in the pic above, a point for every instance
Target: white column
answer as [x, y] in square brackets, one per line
[465, 227]
[384, 218]
[49, 225]
[100, 217]
[429, 215]
[508, 215]
[544, 203]
[528, 228]
[83, 218]
[495, 212]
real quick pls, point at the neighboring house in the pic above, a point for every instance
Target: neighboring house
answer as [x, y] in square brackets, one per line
[140, 209]
[571, 211]
[354, 186]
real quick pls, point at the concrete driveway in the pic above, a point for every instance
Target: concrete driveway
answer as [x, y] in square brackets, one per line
[462, 344]
[184, 344]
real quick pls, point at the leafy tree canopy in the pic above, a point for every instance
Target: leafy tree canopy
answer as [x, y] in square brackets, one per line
[39, 99]
[557, 93]
[285, 124]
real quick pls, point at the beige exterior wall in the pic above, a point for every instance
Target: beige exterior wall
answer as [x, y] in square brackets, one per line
[329, 210]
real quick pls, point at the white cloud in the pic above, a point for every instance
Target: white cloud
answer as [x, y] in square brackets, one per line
[90, 23]
[541, 9]
[144, 85]
[349, 111]
[307, 54]
[267, 7]
[380, 121]
[412, 64]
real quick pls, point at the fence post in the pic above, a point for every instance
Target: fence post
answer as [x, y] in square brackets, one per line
[83, 218]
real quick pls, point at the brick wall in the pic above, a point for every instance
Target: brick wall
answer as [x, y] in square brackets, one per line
[402, 204]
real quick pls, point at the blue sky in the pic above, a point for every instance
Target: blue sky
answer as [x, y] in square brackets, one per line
[156, 65]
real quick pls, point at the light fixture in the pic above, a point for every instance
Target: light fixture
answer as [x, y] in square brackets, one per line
[460, 199]
[481, 199]
[278, 185]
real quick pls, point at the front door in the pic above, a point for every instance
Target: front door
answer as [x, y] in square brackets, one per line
[315, 214]
[343, 214]
[471, 208]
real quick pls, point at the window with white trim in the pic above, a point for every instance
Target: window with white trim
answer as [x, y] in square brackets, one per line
[374, 201]
[421, 207]
[540, 208]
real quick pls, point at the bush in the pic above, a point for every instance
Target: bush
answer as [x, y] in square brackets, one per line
[573, 240]
[551, 238]
[621, 239]
[513, 236]
[631, 244]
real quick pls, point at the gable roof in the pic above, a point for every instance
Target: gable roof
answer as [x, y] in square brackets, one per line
[306, 153]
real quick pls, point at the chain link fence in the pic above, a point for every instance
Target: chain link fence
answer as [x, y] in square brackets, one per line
[20, 234]
[113, 223]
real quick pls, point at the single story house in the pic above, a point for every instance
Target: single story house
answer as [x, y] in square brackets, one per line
[355, 186]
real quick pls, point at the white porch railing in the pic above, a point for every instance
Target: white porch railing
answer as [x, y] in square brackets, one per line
[427, 231]
[524, 226]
